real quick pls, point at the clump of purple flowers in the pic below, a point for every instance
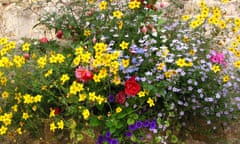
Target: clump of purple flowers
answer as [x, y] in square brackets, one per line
[151, 124]
[107, 138]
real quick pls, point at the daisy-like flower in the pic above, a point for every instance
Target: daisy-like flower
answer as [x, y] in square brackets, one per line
[216, 68]
[117, 14]
[103, 5]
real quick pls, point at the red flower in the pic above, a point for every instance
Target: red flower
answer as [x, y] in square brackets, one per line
[121, 97]
[56, 111]
[132, 87]
[83, 75]
[26, 56]
[44, 40]
[59, 34]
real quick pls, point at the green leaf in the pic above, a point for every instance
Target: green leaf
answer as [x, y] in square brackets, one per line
[94, 121]
[134, 116]
[79, 137]
[112, 129]
[130, 121]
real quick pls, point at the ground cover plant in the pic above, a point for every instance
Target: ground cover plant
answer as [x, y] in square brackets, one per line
[124, 72]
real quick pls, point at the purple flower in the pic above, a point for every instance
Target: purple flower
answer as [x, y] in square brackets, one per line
[128, 134]
[100, 139]
[132, 127]
[146, 123]
[153, 124]
[108, 134]
[111, 98]
[139, 124]
[113, 141]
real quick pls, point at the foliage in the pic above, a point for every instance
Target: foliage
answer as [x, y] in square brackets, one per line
[121, 68]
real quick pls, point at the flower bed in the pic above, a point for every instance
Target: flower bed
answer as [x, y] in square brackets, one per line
[132, 71]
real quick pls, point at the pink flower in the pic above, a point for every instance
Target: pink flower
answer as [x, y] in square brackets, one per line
[218, 57]
[83, 75]
[44, 40]
[144, 29]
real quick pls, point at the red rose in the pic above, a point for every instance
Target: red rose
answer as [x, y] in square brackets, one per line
[83, 75]
[44, 40]
[59, 34]
[132, 87]
[120, 97]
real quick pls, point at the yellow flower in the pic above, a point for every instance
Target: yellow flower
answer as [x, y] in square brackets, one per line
[42, 61]
[185, 17]
[5, 94]
[87, 33]
[25, 116]
[64, 78]
[26, 46]
[225, 1]
[3, 41]
[82, 97]
[90, 1]
[237, 64]
[19, 131]
[150, 102]
[118, 109]
[3, 130]
[48, 73]
[14, 108]
[168, 74]
[37, 98]
[215, 68]
[60, 124]
[226, 78]
[28, 99]
[222, 24]
[134, 4]
[34, 108]
[120, 25]
[117, 14]
[52, 112]
[3, 81]
[124, 45]
[181, 62]
[161, 66]
[141, 94]
[85, 114]
[116, 80]
[53, 127]
[125, 62]
[103, 5]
